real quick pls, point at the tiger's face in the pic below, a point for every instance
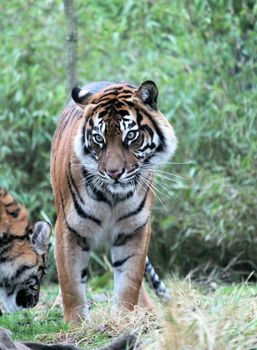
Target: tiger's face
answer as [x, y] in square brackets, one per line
[123, 135]
[23, 251]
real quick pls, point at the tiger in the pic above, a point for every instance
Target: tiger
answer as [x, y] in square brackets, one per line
[23, 249]
[108, 141]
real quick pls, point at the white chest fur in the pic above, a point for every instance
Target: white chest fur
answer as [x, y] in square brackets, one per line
[104, 221]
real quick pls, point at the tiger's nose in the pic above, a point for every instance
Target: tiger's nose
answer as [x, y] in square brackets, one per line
[115, 173]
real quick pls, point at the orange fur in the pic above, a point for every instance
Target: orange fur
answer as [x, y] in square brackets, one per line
[79, 217]
[22, 252]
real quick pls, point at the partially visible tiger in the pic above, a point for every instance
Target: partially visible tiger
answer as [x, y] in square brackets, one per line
[23, 249]
[106, 145]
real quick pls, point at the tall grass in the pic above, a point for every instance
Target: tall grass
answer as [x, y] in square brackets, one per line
[202, 55]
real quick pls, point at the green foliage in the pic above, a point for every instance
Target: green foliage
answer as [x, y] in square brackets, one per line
[202, 55]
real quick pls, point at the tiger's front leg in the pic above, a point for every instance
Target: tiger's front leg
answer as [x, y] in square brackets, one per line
[128, 257]
[72, 257]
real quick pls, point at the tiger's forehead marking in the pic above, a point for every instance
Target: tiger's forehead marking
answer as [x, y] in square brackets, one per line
[114, 95]
[114, 121]
[113, 110]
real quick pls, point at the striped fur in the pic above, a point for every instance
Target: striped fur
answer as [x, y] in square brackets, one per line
[22, 254]
[158, 285]
[105, 148]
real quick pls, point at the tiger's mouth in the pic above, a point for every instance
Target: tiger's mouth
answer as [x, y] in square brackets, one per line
[123, 185]
[21, 299]
[25, 299]
[116, 183]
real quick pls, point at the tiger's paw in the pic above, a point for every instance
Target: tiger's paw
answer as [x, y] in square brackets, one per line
[76, 315]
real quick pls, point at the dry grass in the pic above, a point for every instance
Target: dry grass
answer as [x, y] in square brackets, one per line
[196, 319]
[104, 323]
[222, 320]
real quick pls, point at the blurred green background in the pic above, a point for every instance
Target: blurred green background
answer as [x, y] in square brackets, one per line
[203, 57]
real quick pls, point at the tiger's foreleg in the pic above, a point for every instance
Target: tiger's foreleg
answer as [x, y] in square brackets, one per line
[128, 258]
[72, 257]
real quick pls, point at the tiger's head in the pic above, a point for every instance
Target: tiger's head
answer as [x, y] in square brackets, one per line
[23, 249]
[123, 134]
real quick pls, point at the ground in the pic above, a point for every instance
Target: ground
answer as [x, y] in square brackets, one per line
[200, 317]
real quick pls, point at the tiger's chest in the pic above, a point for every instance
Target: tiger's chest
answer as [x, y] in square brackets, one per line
[101, 221]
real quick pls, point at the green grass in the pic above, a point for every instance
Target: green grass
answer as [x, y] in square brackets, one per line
[216, 317]
[31, 325]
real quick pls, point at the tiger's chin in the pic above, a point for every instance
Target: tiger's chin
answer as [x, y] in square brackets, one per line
[121, 189]
[10, 304]
[19, 301]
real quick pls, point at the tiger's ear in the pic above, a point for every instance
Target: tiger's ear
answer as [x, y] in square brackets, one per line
[80, 96]
[148, 93]
[40, 237]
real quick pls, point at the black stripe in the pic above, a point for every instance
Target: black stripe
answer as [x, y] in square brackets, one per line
[4, 249]
[8, 238]
[158, 149]
[84, 273]
[139, 118]
[73, 183]
[123, 238]
[118, 263]
[8, 258]
[80, 211]
[150, 146]
[102, 114]
[86, 150]
[83, 140]
[105, 104]
[119, 105]
[117, 198]
[137, 210]
[129, 104]
[21, 270]
[82, 241]
[10, 204]
[14, 213]
[11, 291]
[158, 130]
[125, 91]
[5, 258]
[148, 129]
[104, 99]
[123, 113]
[5, 283]
[87, 175]
[123, 95]
[156, 283]
[99, 196]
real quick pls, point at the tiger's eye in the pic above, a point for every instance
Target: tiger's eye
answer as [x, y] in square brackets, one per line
[98, 138]
[131, 135]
